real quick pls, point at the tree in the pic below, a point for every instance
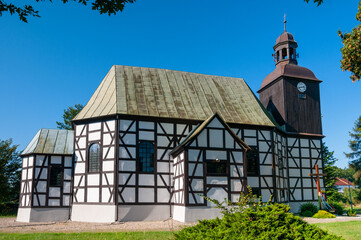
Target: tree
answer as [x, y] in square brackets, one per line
[103, 6]
[331, 170]
[68, 115]
[315, 1]
[10, 171]
[329, 166]
[351, 50]
[355, 146]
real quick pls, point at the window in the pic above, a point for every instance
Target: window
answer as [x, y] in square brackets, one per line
[215, 168]
[55, 176]
[282, 193]
[284, 53]
[280, 163]
[252, 161]
[94, 158]
[146, 157]
[256, 191]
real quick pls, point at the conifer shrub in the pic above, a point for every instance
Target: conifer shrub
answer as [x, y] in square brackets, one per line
[338, 207]
[323, 214]
[308, 207]
[307, 214]
[252, 219]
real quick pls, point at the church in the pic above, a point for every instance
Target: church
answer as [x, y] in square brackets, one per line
[151, 143]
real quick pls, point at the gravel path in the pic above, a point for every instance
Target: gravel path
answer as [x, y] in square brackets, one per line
[9, 225]
[329, 220]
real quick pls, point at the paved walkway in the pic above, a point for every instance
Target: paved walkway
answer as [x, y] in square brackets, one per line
[9, 225]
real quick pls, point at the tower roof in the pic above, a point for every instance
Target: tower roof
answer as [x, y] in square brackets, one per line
[285, 37]
[288, 70]
[174, 94]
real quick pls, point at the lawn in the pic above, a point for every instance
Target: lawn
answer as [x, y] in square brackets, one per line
[87, 236]
[348, 230]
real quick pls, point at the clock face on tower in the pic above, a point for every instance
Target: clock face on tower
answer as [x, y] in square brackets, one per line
[301, 87]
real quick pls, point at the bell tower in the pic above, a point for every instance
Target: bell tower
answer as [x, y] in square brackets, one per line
[291, 92]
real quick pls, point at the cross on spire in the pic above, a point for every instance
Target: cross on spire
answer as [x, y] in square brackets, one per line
[284, 21]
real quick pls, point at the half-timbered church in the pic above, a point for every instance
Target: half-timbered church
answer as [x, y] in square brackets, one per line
[150, 143]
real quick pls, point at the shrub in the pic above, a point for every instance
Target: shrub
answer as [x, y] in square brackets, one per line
[308, 207]
[338, 207]
[323, 214]
[307, 213]
[251, 219]
[351, 213]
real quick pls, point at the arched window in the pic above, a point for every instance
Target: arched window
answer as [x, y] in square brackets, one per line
[146, 157]
[94, 158]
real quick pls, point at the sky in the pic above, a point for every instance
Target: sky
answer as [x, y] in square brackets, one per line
[59, 59]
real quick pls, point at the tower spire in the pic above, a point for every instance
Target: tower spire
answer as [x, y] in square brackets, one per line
[284, 21]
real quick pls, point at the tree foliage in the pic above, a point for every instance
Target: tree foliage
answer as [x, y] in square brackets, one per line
[355, 146]
[10, 171]
[318, 2]
[329, 166]
[68, 115]
[103, 6]
[351, 50]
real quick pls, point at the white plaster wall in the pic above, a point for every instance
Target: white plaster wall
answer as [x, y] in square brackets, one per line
[143, 212]
[193, 214]
[42, 214]
[93, 213]
[23, 215]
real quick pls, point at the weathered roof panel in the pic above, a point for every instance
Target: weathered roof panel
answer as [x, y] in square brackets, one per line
[174, 94]
[51, 141]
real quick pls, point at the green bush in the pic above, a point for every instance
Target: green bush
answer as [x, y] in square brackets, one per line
[308, 207]
[323, 214]
[307, 213]
[338, 207]
[334, 196]
[355, 195]
[252, 219]
[351, 213]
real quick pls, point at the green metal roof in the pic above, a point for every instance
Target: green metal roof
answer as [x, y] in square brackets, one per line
[51, 141]
[174, 94]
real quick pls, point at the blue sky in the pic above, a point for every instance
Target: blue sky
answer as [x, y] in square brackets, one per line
[58, 60]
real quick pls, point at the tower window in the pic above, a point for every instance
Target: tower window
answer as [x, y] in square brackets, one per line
[94, 158]
[292, 55]
[252, 161]
[55, 176]
[284, 53]
[302, 95]
[146, 157]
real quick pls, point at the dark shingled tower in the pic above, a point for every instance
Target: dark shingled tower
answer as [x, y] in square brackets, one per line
[291, 93]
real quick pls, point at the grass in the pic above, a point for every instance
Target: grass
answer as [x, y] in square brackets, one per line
[7, 216]
[348, 230]
[87, 235]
